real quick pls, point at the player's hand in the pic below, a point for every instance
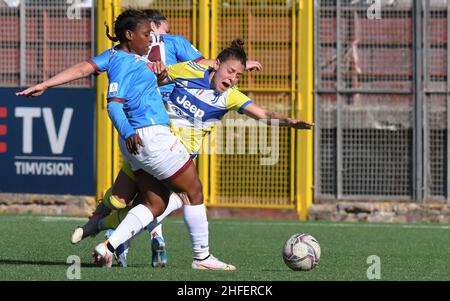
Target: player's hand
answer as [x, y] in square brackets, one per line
[253, 65]
[133, 142]
[300, 124]
[160, 70]
[36, 90]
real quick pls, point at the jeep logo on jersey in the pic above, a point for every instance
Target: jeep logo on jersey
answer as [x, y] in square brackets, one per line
[197, 112]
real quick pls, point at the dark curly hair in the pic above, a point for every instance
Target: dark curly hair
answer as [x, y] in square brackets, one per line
[127, 20]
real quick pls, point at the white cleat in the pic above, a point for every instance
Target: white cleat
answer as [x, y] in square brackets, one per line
[89, 229]
[212, 263]
[77, 235]
[102, 256]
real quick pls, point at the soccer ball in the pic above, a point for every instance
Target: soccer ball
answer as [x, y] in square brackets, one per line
[301, 252]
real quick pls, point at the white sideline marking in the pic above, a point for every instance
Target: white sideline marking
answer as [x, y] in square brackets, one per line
[331, 224]
[262, 223]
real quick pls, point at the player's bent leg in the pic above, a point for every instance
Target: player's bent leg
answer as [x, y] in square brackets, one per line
[156, 196]
[123, 191]
[157, 245]
[186, 180]
[168, 161]
[137, 219]
[196, 220]
[117, 197]
[113, 220]
[122, 250]
[90, 228]
[109, 203]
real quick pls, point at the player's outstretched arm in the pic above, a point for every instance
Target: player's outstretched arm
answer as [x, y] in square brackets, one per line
[74, 72]
[258, 113]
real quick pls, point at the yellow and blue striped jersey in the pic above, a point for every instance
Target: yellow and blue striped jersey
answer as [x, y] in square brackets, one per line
[194, 108]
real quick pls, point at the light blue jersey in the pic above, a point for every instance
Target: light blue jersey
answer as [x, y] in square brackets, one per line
[134, 100]
[171, 49]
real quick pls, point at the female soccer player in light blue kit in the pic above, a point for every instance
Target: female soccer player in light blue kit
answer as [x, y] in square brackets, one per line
[137, 111]
[169, 49]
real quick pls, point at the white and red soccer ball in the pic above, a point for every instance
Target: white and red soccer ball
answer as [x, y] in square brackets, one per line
[301, 252]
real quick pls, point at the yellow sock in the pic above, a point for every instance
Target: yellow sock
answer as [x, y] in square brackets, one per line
[111, 201]
[113, 220]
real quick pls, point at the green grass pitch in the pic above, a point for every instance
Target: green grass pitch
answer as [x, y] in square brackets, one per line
[37, 248]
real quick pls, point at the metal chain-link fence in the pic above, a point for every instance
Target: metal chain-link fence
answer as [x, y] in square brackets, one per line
[381, 106]
[266, 28]
[180, 14]
[436, 99]
[40, 38]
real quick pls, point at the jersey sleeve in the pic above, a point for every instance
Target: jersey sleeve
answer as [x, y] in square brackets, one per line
[118, 88]
[101, 61]
[237, 101]
[176, 71]
[119, 119]
[185, 51]
[185, 70]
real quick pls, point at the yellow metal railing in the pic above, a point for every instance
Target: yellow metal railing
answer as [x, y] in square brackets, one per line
[104, 142]
[293, 97]
[305, 108]
[204, 48]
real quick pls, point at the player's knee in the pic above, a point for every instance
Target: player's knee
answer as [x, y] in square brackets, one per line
[156, 209]
[113, 202]
[196, 195]
[160, 209]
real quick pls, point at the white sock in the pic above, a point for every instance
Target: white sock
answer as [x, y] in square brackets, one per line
[137, 219]
[155, 227]
[197, 225]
